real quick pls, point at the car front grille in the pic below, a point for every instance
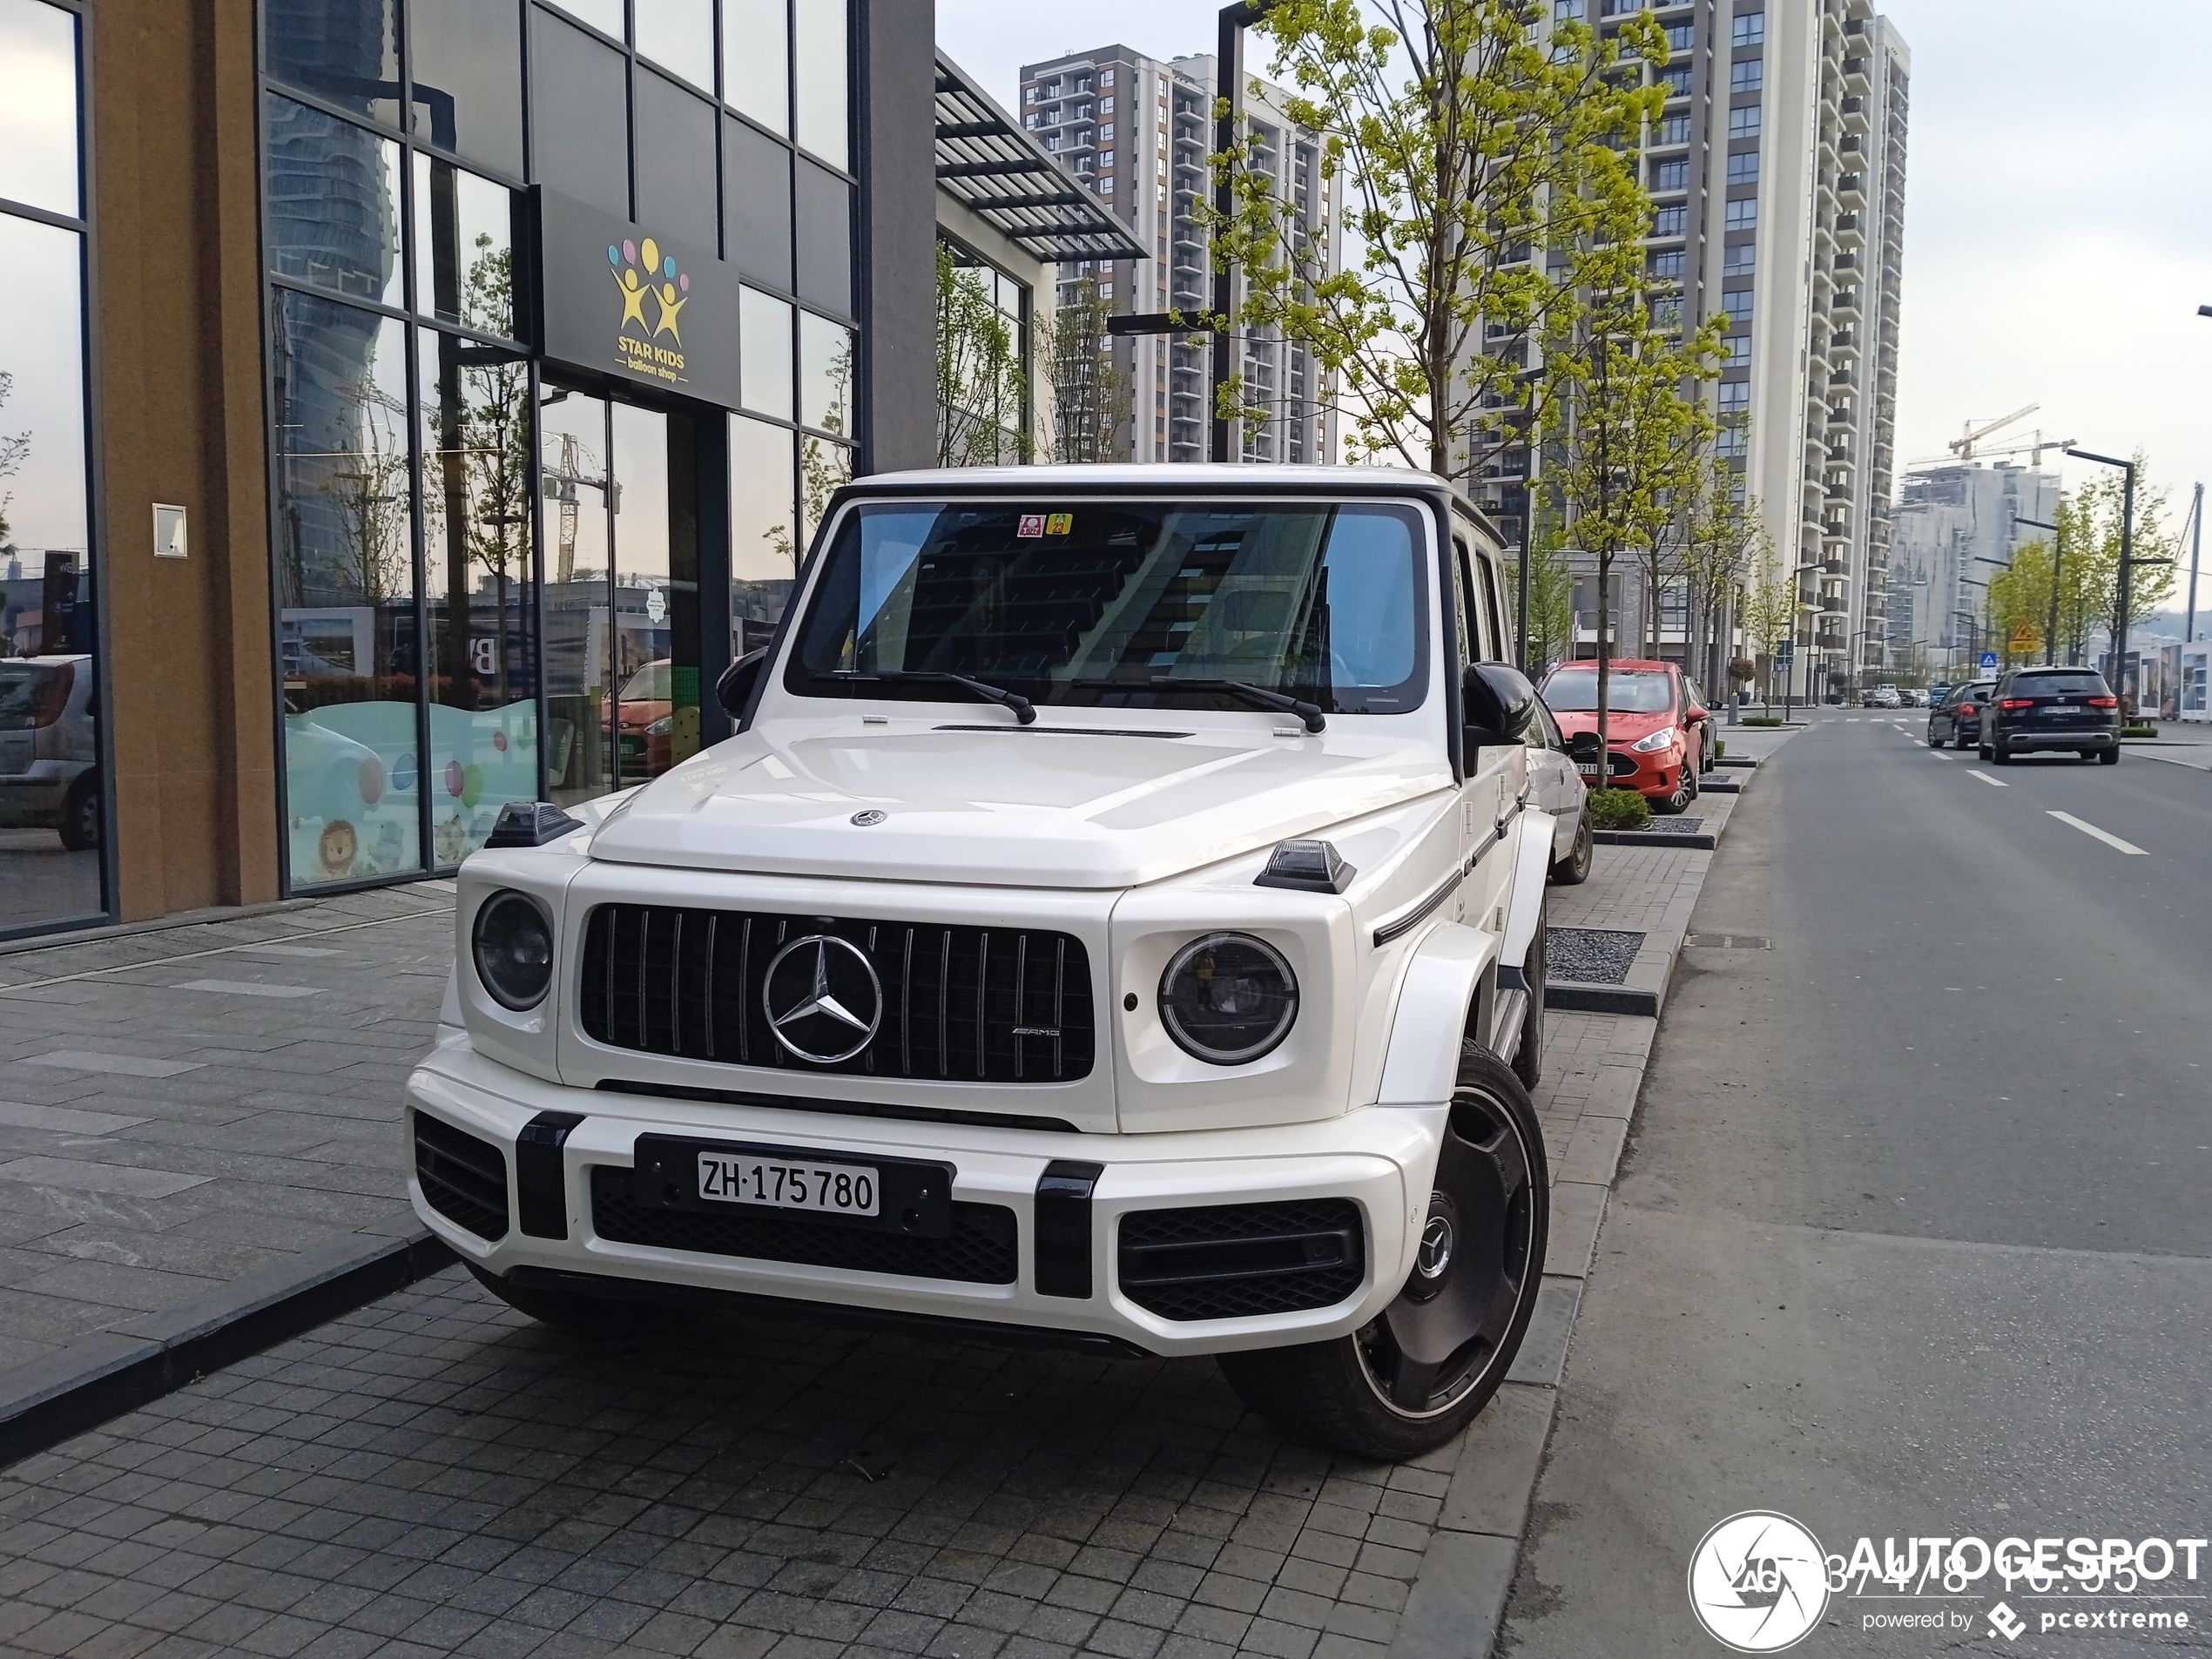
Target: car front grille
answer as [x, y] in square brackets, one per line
[980, 1250]
[1233, 1261]
[464, 1178]
[999, 1005]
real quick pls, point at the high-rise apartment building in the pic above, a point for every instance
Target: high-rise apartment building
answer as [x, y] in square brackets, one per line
[1953, 528]
[1777, 172]
[1137, 131]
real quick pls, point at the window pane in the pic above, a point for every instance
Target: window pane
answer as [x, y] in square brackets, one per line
[333, 215]
[346, 52]
[572, 435]
[825, 239]
[467, 57]
[762, 552]
[675, 186]
[464, 247]
[345, 580]
[38, 105]
[679, 35]
[825, 374]
[49, 864]
[756, 60]
[756, 183]
[600, 14]
[823, 79]
[583, 128]
[763, 348]
[822, 467]
[475, 414]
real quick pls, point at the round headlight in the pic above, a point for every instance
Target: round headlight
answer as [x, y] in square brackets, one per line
[1228, 998]
[514, 950]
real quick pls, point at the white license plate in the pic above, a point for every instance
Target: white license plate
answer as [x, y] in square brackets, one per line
[830, 1189]
[1587, 772]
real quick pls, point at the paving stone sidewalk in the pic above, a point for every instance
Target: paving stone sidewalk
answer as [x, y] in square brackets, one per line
[184, 1105]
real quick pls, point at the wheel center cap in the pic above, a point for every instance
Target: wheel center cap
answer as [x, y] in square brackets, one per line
[1436, 1253]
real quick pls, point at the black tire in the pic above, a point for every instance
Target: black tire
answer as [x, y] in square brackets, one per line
[2000, 753]
[597, 1317]
[1575, 869]
[1685, 793]
[1981, 751]
[1959, 738]
[1934, 742]
[2109, 757]
[80, 825]
[1535, 967]
[1492, 1192]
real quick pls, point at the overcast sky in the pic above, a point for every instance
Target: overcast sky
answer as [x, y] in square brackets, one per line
[2059, 221]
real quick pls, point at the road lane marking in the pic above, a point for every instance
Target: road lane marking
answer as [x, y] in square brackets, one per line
[1994, 783]
[2105, 836]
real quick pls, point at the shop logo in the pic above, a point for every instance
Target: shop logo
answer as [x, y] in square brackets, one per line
[2003, 1621]
[836, 1000]
[646, 277]
[1758, 1582]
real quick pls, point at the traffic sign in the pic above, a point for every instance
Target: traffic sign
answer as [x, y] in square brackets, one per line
[1785, 649]
[1989, 662]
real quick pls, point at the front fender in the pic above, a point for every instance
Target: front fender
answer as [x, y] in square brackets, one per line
[1441, 982]
[1532, 869]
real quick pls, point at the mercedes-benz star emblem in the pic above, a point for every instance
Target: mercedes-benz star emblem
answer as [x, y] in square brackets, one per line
[871, 816]
[1436, 1253]
[832, 997]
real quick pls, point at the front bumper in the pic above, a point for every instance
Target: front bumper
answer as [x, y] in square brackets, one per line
[1379, 1159]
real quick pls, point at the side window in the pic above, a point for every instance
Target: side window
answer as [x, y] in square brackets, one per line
[1469, 619]
[1500, 628]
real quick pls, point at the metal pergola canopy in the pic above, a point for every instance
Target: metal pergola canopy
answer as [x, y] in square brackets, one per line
[999, 172]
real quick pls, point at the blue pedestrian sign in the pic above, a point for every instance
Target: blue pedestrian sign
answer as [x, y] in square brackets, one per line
[1989, 662]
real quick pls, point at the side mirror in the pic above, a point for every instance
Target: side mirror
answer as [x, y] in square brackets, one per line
[1582, 747]
[734, 691]
[1497, 703]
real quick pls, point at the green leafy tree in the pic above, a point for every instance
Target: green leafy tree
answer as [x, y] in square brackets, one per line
[1628, 433]
[13, 448]
[1551, 598]
[1479, 145]
[2091, 522]
[983, 393]
[1091, 398]
[1721, 525]
[1767, 604]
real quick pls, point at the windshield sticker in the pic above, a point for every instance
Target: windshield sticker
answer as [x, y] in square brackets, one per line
[1032, 524]
[1060, 524]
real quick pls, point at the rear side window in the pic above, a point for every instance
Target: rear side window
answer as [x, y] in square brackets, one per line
[2079, 682]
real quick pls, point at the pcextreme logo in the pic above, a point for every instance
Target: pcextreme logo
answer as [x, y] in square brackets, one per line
[645, 275]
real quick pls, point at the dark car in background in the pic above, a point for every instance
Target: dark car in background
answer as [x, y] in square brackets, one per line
[1956, 720]
[2046, 708]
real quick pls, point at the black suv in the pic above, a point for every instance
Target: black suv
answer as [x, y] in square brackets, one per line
[1956, 720]
[2052, 708]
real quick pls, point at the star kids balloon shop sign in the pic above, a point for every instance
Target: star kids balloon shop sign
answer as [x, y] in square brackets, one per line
[624, 302]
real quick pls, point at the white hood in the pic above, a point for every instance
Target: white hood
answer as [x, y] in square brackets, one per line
[1049, 804]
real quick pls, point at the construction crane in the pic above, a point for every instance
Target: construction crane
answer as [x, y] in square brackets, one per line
[1972, 432]
[2035, 449]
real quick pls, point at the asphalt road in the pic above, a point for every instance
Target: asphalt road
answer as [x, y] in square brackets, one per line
[1911, 1237]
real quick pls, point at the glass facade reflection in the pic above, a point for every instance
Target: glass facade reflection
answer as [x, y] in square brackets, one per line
[488, 555]
[53, 812]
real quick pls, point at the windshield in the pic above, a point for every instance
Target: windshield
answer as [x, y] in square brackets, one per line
[1574, 690]
[1115, 602]
[649, 685]
[2084, 681]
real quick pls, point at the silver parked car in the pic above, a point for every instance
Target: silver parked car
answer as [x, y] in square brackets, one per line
[49, 748]
[1556, 788]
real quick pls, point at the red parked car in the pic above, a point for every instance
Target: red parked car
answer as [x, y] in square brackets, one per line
[1657, 727]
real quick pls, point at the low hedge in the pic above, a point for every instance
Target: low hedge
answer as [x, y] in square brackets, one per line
[1619, 809]
[2138, 731]
[1761, 719]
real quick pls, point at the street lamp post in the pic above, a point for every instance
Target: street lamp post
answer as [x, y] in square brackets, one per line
[1229, 87]
[2127, 560]
[2058, 568]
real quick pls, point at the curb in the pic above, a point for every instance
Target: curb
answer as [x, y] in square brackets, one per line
[1579, 996]
[119, 1369]
[1679, 841]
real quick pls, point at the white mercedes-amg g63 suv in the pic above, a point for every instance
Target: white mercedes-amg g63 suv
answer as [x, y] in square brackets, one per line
[1118, 918]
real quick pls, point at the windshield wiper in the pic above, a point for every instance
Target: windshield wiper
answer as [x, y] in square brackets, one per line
[1310, 712]
[1025, 712]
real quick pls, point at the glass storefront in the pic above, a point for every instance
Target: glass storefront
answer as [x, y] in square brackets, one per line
[53, 815]
[523, 514]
